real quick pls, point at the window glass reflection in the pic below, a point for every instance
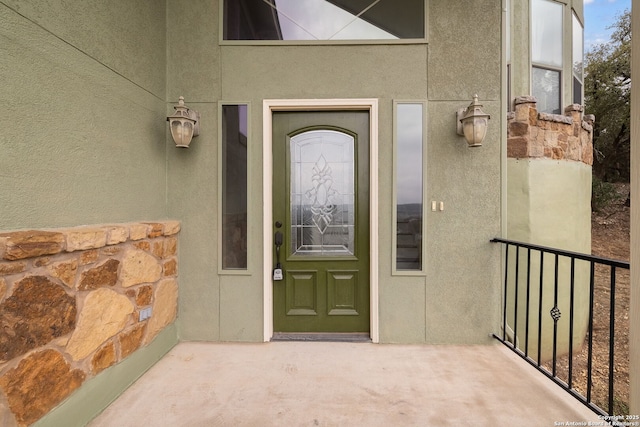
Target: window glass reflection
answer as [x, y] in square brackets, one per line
[234, 186]
[546, 89]
[578, 59]
[546, 32]
[323, 19]
[409, 186]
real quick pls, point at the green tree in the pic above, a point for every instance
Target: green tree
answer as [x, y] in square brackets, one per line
[607, 95]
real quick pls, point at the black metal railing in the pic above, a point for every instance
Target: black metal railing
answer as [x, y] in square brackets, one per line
[564, 347]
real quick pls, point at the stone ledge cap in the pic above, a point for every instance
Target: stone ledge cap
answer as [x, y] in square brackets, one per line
[527, 99]
[22, 244]
[573, 107]
[558, 118]
[171, 227]
[83, 238]
[30, 243]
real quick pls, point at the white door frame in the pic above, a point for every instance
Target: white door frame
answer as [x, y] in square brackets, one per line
[268, 107]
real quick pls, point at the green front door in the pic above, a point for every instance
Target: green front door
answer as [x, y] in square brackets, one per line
[321, 209]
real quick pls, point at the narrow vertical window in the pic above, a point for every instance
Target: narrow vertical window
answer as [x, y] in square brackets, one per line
[578, 59]
[409, 185]
[546, 54]
[234, 186]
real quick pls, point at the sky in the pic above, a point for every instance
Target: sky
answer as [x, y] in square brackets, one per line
[598, 15]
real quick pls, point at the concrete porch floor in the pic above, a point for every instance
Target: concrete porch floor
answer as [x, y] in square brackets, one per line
[341, 384]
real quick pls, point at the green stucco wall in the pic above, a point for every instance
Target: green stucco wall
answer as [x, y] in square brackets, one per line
[83, 137]
[549, 204]
[457, 299]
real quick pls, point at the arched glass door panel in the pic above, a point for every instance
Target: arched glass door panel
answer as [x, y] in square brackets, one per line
[322, 186]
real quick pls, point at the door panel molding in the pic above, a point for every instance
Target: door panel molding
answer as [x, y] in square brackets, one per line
[342, 293]
[269, 107]
[302, 297]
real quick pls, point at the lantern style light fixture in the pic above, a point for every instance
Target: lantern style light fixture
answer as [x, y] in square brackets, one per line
[472, 122]
[184, 124]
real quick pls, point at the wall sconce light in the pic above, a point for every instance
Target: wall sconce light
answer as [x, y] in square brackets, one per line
[184, 124]
[472, 122]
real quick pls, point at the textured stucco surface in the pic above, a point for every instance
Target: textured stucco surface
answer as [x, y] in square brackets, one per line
[126, 36]
[82, 143]
[634, 333]
[462, 265]
[464, 49]
[549, 203]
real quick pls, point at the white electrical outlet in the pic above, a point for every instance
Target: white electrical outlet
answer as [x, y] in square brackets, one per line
[144, 314]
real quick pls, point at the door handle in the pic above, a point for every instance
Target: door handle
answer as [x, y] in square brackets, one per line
[277, 240]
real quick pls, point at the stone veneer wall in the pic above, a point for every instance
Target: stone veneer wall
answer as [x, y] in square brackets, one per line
[554, 136]
[70, 303]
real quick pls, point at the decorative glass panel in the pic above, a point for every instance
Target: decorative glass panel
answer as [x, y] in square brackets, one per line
[234, 186]
[546, 89]
[322, 193]
[323, 19]
[409, 185]
[546, 32]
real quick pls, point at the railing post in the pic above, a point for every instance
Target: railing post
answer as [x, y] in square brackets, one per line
[612, 322]
[526, 330]
[540, 307]
[592, 286]
[515, 302]
[555, 315]
[506, 282]
[571, 301]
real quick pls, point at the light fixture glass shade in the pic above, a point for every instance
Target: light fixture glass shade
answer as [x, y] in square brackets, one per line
[181, 131]
[475, 123]
[182, 124]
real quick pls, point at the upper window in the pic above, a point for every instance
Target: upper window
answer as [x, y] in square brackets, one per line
[578, 59]
[323, 19]
[546, 33]
[546, 54]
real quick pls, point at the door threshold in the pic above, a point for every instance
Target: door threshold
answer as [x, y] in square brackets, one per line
[322, 336]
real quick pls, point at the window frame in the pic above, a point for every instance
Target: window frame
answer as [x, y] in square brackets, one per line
[394, 216]
[223, 42]
[576, 19]
[248, 269]
[550, 67]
